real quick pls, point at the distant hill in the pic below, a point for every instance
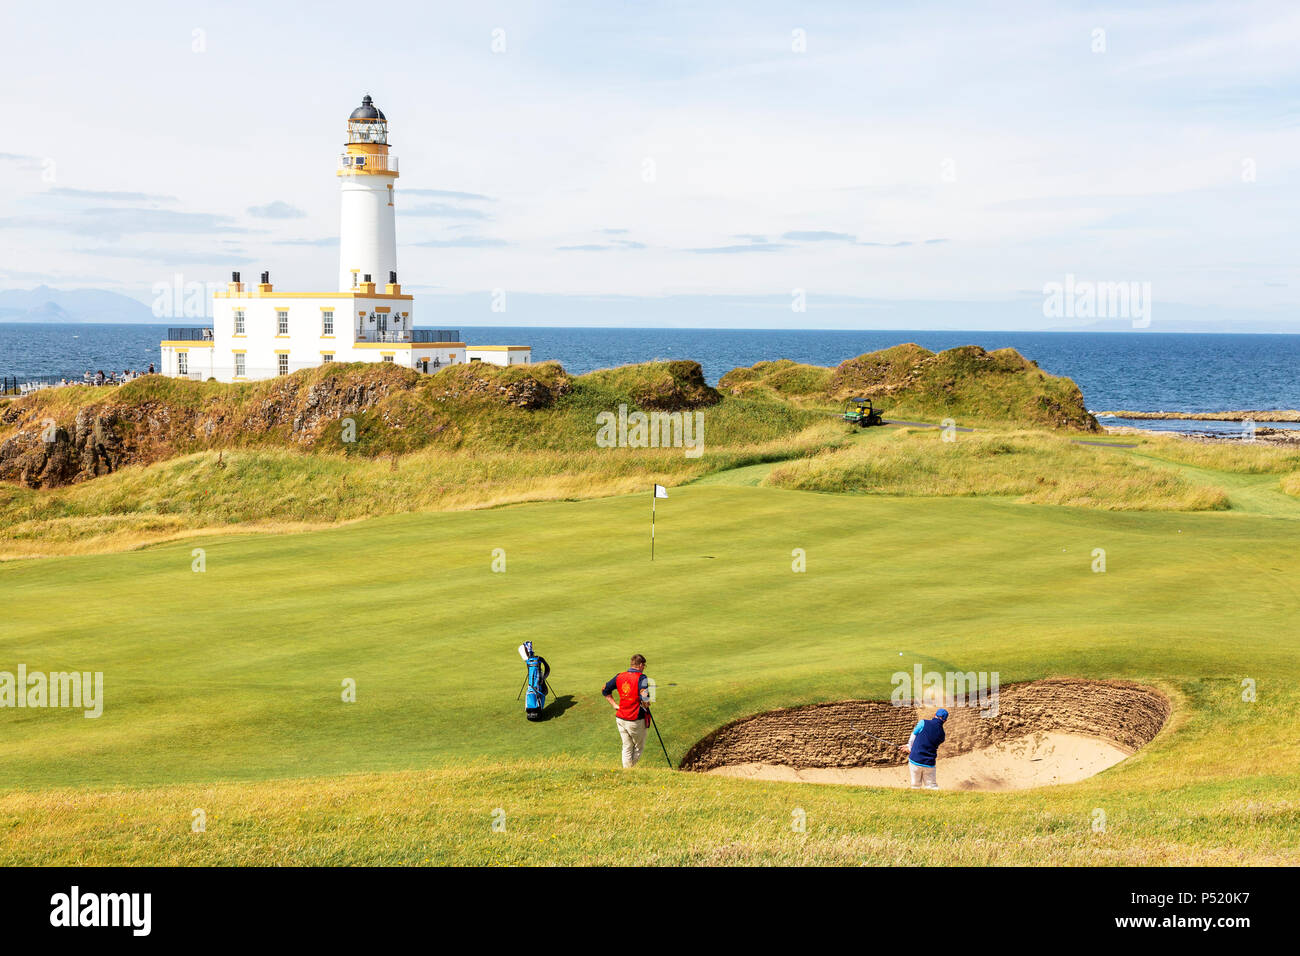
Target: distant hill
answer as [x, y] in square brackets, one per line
[44, 304]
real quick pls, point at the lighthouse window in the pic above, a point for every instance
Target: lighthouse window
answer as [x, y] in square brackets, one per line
[240, 368]
[182, 363]
[239, 321]
[284, 364]
[388, 358]
[327, 323]
[282, 322]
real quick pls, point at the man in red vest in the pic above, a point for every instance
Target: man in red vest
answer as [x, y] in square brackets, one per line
[632, 718]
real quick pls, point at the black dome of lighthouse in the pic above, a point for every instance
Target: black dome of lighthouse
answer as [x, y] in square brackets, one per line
[367, 110]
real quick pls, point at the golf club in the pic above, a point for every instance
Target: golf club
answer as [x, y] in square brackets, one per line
[524, 650]
[660, 736]
[874, 737]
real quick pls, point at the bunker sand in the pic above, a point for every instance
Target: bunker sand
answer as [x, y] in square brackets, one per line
[1036, 760]
[1045, 732]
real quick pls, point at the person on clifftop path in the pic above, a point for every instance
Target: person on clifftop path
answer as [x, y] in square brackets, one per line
[632, 718]
[922, 750]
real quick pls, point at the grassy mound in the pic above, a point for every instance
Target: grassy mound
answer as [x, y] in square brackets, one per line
[657, 386]
[967, 384]
[1037, 467]
[787, 379]
[63, 436]
[173, 458]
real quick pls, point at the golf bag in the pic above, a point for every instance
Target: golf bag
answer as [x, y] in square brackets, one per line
[538, 671]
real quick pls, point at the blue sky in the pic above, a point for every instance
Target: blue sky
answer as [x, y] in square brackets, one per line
[894, 153]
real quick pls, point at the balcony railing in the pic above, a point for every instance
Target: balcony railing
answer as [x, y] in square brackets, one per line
[435, 335]
[413, 336]
[360, 163]
[189, 335]
[394, 336]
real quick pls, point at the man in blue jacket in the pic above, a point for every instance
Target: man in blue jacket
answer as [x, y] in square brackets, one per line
[922, 750]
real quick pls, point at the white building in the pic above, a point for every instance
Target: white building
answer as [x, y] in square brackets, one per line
[257, 332]
[499, 354]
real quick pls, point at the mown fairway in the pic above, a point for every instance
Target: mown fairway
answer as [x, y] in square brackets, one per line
[220, 685]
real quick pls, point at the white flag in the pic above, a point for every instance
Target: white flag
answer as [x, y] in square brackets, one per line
[661, 491]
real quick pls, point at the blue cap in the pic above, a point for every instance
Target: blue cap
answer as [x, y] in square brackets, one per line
[941, 714]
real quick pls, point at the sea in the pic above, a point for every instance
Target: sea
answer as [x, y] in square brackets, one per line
[1133, 371]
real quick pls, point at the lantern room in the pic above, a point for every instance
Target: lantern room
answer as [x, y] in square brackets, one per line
[367, 124]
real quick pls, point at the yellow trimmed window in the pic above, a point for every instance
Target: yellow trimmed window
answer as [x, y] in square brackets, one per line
[284, 363]
[239, 321]
[182, 363]
[241, 367]
[327, 322]
[282, 322]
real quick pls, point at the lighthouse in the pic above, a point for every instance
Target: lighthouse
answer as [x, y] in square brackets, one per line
[367, 173]
[260, 331]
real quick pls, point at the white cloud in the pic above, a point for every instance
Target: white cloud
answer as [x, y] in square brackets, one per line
[999, 132]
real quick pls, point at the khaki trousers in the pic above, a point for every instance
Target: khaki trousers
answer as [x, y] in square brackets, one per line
[633, 733]
[924, 777]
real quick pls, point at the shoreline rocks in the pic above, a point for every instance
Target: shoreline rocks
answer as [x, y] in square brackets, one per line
[1261, 415]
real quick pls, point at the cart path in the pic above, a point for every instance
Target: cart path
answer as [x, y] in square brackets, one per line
[890, 421]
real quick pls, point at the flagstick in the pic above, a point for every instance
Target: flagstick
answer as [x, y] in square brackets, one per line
[653, 501]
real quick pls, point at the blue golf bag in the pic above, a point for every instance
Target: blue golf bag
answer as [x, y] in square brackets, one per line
[538, 671]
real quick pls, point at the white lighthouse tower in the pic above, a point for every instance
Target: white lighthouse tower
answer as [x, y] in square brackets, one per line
[259, 331]
[367, 173]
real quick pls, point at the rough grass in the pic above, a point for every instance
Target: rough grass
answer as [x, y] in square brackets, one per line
[565, 812]
[1251, 458]
[1036, 467]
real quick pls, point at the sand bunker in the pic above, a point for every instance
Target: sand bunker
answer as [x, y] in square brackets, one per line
[1045, 732]
[1034, 761]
